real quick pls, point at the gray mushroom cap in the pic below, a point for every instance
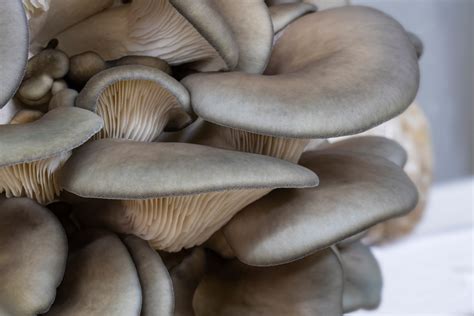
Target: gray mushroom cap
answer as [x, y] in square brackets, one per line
[362, 277]
[58, 131]
[13, 48]
[33, 252]
[155, 281]
[311, 286]
[331, 73]
[356, 191]
[100, 279]
[285, 13]
[122, 169]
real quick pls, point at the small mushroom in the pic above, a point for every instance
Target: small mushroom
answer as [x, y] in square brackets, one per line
[285, 13]
[290, 224]
[145, 27]
[65, 97]
[100, 278]
[33, 253]
[332, 73]
[362, 277]
[174, 195]
[31, 154]
[26, 116]
[14, 48]
[51, 62]
[310, 286]
[155, 281]
[136, 102]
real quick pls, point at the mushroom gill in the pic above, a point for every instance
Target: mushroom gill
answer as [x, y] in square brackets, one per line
[135, 102]
[36, 180]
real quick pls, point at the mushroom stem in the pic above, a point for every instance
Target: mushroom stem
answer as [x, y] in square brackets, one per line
[176, 222]
[36, 180]
[135, 109]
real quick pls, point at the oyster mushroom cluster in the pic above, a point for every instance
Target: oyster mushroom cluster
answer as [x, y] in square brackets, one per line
[170, 157]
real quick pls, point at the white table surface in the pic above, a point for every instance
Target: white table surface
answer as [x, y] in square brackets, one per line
[431, 271]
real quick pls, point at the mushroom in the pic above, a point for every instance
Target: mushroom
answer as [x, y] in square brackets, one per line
[33, 253]
[285, 13]
[47, 18]
[14, 48]
[32, 153]
[174, 195]
[356, 191]
[249, 22]
[310, 286]
[85, 65]
[155, 281]
[151, 28]
[362, 277]
[100, 278]
[331, 73]
[136, 102]
[26, 116]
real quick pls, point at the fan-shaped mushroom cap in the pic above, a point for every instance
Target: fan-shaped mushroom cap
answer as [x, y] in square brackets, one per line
[14, 48]
[174, 194]
[249, 23]
[100, 279]
[331, 73]
[373, 146]
[157, 289]
[311, 286]
[362, 277]
[145, 27]
[285, 13]
[136, 102]
[30, 154]
[33, 253]
[290, 224]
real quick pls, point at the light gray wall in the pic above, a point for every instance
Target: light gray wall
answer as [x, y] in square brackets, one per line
[446, 93]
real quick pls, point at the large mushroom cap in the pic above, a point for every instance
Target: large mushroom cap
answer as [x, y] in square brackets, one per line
[126, 170]
[100, 279]
[136, 102]
[175, 195]
[33, 253]
[155, 281]
[31, 153]
[331, 73]
[311, 286]
[356, 191]
[13, 48]
[362, 277]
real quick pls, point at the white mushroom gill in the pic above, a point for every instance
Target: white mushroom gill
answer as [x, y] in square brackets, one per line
[135, 109]
[174, 223]
[36, 180]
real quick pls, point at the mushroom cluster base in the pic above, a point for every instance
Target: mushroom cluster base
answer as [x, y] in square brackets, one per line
[36, 180]
[135, 109]
[174, 223]
[283, 148]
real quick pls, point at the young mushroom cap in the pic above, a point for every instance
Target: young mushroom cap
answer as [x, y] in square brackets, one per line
[145, 27]
[289, 224]
[30, 154]
[33, 253]
[362, 277]
[100, 279]
[173, 194]
[285, 13]
[136, 102]
[331, 73]
[311, 286]
[14, 48]
[155, 281]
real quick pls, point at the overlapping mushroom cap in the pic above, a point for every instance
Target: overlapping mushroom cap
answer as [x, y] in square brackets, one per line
[33, 253]
[356, 191]
[13, 48]
[173, 194]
